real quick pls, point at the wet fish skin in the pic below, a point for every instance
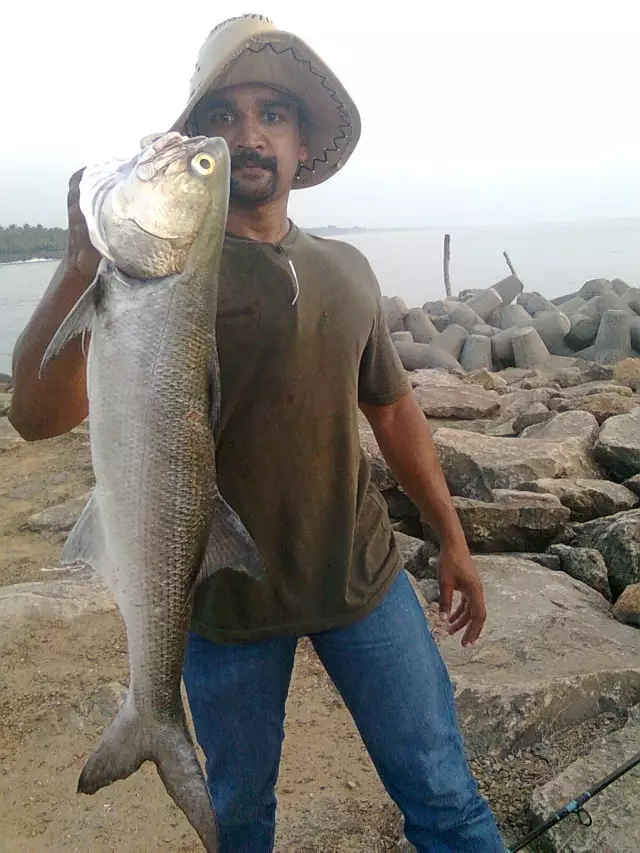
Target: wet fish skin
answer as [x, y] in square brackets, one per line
[156, 523]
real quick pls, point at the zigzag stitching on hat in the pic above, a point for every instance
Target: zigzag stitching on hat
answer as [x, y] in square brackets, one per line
[334, 97]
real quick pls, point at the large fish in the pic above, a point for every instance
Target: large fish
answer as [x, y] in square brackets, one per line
[156, 524]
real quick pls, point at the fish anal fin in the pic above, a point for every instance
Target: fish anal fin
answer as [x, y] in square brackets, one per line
[230, 546]
[77, 321]
[86, 543]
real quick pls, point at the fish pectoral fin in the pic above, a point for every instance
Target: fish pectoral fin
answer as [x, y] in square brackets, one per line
[77, 321]
[230, 546]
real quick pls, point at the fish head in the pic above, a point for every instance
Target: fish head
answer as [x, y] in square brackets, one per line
[153, 216]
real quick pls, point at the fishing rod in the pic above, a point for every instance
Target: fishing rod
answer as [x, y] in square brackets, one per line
[576, 806]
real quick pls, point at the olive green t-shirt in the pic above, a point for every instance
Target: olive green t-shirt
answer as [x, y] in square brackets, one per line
[289, 459]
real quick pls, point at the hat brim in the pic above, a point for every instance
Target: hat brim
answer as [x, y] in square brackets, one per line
[282, 60]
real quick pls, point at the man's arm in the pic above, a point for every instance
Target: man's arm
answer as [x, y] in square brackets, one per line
[405, 441]
[42, 408]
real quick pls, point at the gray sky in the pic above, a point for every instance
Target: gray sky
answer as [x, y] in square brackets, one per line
[473, 112]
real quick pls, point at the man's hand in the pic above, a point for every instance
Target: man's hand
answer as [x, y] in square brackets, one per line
[457, 571]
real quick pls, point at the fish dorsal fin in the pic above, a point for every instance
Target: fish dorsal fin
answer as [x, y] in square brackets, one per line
[230, 546]
[77, 321]
[87, 542]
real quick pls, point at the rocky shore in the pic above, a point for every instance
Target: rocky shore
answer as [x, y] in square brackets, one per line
[542, 455]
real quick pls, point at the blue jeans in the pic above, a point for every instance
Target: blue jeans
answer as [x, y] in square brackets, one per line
[393, 681]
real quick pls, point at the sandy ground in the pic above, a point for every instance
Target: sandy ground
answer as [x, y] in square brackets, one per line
[59, 690]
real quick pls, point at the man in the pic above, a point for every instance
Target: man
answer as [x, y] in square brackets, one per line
[302, 344]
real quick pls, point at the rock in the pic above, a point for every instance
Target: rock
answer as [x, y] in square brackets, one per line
[568, 377]
[476, 353]
[587, 499]
[519, 401]
[528, 348]
[485, 379]
[400, 504]
[549, 561]
[452, 340]
[584, 564]
[430, 589]
[414, 556]
[579, 425]
[394, 310]
[475, 464]
[552, 326]
[26, 491]
[509, 288]
[617, 537]
[614, 810]
[483, 329]
[582, 332]
[462, 315]
[538, 379]
[618, 446]
[10, 439]
[599, 305]
[420, 326]
[537, 413]
[613, 341]
[381, 475]
[627, 607]
[416, 356]
[466, 403]
[574, 305]
[516, 521]
[587, 389]
[512, 315]
[434, 377]
[551, 656]
[627, 372]
[485, 302]
[5, 403]
[535, 303]
[595, 287]
[619, 286]
[58, 519]
[83, 592]
[601, 406]
[402, 336]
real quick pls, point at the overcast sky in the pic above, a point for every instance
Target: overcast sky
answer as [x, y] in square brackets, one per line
[473, 111]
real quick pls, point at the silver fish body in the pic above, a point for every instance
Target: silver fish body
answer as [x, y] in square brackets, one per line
[156, 524]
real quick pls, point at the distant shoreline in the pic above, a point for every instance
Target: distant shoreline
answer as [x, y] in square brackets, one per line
[38, 258]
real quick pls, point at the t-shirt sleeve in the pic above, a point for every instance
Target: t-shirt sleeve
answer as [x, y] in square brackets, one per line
[382, 379]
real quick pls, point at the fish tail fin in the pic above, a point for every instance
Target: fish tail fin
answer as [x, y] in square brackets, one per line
[128, 743]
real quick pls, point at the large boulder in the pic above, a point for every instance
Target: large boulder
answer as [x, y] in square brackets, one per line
[475, 464]
[618, 446]
[587, 499]
[627, 608]
[552, 655]
[579, 425]
[617, 537]
[466, 403]
[601, 406]
[584, 564]
[416, 356]
[515, 521]
[614, 811]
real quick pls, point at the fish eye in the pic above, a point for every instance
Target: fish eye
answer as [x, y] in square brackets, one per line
[202, 164]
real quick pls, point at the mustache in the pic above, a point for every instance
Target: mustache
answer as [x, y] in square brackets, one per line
[250, 157]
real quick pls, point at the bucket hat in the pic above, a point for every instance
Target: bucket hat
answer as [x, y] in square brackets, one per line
[251, 49]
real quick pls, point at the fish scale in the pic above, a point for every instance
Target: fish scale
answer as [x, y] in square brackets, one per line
[156, 525]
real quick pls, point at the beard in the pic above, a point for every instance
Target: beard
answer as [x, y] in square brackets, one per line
[254, 191]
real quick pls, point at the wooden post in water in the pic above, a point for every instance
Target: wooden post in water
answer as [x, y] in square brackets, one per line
[509, 264]
[446, 260]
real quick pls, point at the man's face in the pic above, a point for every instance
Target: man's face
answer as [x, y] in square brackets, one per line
[262, 129]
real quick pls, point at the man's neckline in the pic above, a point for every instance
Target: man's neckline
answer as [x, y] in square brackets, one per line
[289, 238]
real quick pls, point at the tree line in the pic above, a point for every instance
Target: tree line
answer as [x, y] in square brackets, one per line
[23, 242]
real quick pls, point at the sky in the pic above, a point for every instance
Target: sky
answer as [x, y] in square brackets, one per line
[473, 113]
